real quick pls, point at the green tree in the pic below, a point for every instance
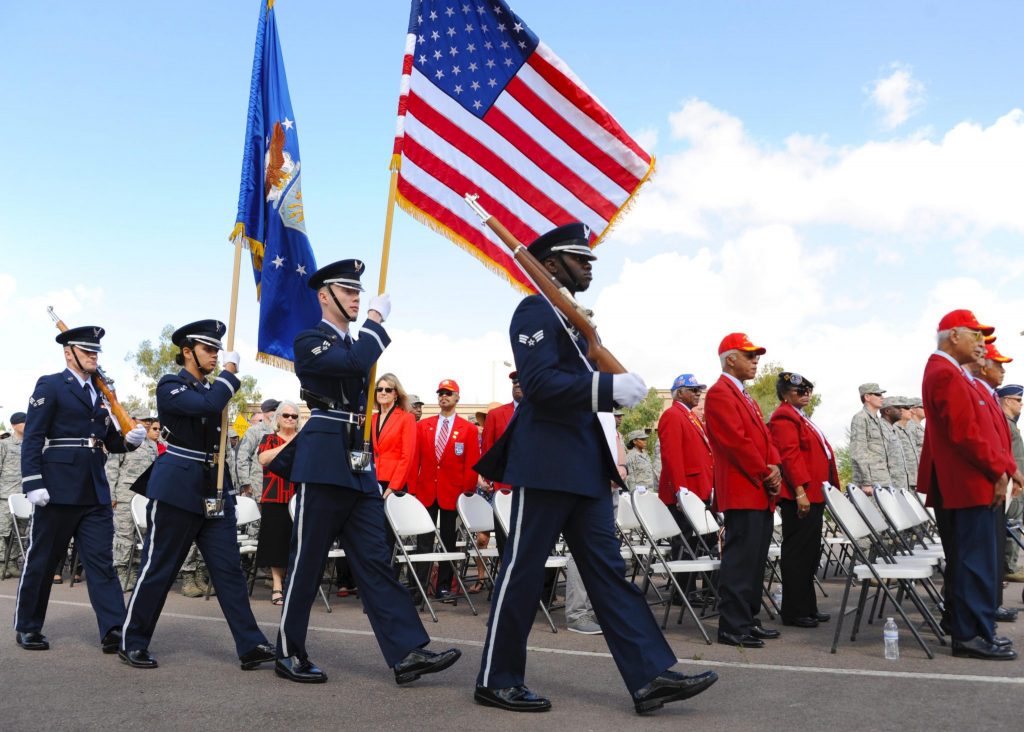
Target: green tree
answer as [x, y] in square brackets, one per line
[643, 416]
[153, 361]
[762, 390]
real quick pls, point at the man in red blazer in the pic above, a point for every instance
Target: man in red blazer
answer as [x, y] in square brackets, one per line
[965, 468]
[498, 419]
[447, 448]
[747, 480]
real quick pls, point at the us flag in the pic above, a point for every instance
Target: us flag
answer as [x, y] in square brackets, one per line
[486, 107]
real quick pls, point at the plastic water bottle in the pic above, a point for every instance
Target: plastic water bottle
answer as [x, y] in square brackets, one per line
[891, 635]
[777, 597]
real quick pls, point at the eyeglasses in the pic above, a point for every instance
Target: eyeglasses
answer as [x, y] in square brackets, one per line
[1013, 398]
[155, 427]
[288, 416]
[976, 334]
[386, 389]
[803, 390]
[445, 392]
[875, 393]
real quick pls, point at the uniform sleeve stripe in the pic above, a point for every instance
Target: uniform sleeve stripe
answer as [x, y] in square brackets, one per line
[375, 337]
[227, 383]
[29, 478]
[595, 392]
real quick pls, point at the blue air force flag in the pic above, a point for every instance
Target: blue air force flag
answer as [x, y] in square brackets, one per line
[270, 214]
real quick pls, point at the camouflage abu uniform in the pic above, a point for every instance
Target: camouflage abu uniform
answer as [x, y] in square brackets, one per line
[10, 482]
[122, 472]
[248, 467]
[640, 470]
[868, 449]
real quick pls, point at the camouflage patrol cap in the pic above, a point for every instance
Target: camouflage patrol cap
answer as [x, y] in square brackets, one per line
[870, 387]
[636, 435]
[893, 401]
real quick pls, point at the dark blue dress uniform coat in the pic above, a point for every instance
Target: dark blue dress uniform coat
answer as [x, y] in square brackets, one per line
[181, 478]
[79, 507]
[332, 501]
[557, 459]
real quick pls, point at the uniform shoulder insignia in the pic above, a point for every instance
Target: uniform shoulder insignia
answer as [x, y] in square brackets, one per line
[179, 390]
[317, 350]
[32, 402]
[531, 340]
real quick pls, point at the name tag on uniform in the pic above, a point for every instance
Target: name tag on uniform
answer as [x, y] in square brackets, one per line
[460, 449]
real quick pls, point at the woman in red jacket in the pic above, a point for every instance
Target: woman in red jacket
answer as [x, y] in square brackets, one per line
[393, 431]
[275, 523]
[807, 463]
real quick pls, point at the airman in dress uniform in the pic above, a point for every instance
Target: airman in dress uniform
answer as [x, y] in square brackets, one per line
[122, 472]
[185, 505]
[66, 429]
[338, 493]
[559, 462]
[10, 482]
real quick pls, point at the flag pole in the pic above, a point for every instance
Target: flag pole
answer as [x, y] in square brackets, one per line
[232, 314]
[381, 283]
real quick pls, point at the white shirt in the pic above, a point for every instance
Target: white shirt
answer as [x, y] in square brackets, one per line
[737, 382]
[86, 383]
[339, 331]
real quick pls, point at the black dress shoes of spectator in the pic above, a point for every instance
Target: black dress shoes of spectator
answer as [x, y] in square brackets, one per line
[301, 671]
[1001, 641]
[1006, 615]
[137, 659]
[808, 622]
[741, 640]
[980, 648]
[263, 653]
[33, 641]
[822, 617]
[671, 686]
[111, 641]
[764, 633]
[513, 698]
[420, 661]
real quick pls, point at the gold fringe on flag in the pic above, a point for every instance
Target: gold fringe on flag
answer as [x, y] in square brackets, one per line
[630, 202]
[275, 361]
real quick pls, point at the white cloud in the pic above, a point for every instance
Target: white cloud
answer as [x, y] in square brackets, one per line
[647, 138]
[898, 96]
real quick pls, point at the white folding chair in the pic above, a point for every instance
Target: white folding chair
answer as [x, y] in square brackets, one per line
[477, 516]
[137, 508]
[658, 524]
[503, 512]
[855, 528]
[21, 510]
[631, 534]
[408, 517]
[335, 552]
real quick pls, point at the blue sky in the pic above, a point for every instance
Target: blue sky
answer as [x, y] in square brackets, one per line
[124, 134]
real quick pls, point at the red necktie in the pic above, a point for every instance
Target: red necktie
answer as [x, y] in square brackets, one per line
[442, 438]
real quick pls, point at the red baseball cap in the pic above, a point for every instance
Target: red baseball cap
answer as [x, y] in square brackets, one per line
[964, 319]
[448, 384]
[990, 339]
[992, 354]
[739, 342]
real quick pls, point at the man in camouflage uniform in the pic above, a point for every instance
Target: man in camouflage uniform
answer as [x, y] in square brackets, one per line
[904, 429]
[916, 424]
[250, 472]
[898, 456]
[868, 440]
[10, 482]
[639, 468]
[122, 472]
[1010, 397]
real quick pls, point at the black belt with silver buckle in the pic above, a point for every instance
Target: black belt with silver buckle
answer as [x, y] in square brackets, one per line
[338, 416]
[90, 442]
[198, 455]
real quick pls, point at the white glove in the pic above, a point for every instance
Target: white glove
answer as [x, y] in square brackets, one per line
[231, 357]
[382, 304]
[628, 390]
[38, 497]
[135, 435]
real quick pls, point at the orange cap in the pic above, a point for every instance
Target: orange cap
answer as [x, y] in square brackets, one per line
[964, 319]
[992, 354]
[739, 342]
[448, 384]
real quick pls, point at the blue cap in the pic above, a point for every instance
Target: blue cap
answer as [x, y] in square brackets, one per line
[345, 272]
[18, 418]
[687, 381]
[571, 238]
[204, 331]
[1010, 390]
[86, 337]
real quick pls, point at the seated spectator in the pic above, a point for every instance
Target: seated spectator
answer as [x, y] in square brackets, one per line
[276, 524]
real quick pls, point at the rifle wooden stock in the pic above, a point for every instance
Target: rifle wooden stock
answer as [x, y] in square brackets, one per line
[99, 379]
[556, 294]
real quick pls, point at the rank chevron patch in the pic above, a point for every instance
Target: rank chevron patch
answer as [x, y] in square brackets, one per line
[531, 340]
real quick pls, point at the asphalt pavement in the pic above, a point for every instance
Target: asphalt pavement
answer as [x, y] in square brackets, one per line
[793, 683]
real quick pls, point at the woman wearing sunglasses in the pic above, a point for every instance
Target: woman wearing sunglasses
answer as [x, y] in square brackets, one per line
[393, 432]
[275, 523]
[808, 461]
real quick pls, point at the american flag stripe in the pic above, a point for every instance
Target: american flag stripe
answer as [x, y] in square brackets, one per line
[485, 107]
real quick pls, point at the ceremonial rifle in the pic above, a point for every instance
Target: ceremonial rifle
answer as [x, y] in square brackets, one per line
[104, 383]
[553, 291]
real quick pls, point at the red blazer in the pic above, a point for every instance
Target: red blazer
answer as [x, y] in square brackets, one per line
[804, 457]
[963, 453]
[395, 448]
[494, 427]
[443, 482]
[996, 412]
[742, 448]
[686, 459]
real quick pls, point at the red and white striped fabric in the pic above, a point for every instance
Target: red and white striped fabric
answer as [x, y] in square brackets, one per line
[487, 108]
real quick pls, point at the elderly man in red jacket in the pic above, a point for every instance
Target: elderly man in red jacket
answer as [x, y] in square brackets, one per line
[747, 480]
[447, 448]
[965, 468]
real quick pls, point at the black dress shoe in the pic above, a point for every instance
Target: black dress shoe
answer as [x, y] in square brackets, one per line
[807, 622]
[111, 641]
[513, 699]
[137, 659]
[742, 640]
[33, 641]
[1001, 641]
[764, 633]
[303, 672]
[671, 686]
[263, 653]
[1006, 615]
[822, 617]
[980, 648]
[420, 661]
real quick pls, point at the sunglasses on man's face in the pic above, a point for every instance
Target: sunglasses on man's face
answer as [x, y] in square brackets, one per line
[386, 389]
[445, 392]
